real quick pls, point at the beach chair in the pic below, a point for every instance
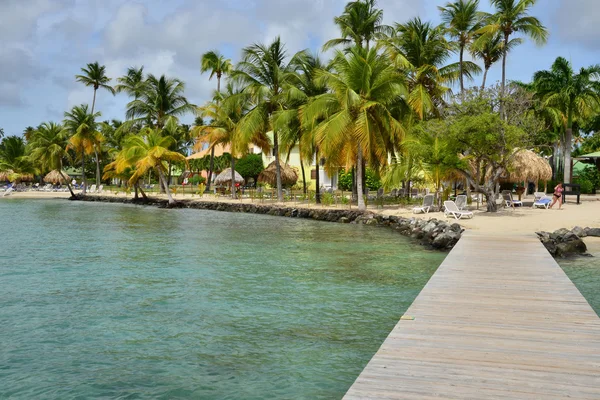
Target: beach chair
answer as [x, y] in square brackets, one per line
[452, 209]
[538, 195]
[427, 204]
[544, 201]
[100, 188]
[508, 200]
[8, 192]
[92, 189]
[461, 201]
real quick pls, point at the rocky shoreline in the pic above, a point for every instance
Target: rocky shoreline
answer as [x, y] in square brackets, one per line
[432, 233]
[564, 243]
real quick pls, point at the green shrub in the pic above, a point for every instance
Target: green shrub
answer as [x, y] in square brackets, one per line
[327, 199]
[372, 180]
[197, 179]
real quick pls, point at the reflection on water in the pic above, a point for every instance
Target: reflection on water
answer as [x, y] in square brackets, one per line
[107, 300]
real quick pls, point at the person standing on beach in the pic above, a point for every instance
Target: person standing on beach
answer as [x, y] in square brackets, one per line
[557, 195]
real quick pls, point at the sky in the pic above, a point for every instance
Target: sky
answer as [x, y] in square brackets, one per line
[45, 43]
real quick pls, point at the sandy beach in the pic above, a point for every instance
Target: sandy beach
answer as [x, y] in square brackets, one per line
[507, 221]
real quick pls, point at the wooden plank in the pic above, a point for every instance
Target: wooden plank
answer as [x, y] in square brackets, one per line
[498, 320]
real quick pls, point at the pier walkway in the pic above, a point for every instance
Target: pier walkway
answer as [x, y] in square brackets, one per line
[498, 320]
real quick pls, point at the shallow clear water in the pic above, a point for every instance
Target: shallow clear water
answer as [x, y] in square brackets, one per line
[114, 301]
[585, 274]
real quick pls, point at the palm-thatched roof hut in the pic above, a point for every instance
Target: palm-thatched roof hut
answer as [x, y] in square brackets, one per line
[5, 174]
[528, 166]
[225, 177]
[11, 176]
[289, 176]
[56, 177]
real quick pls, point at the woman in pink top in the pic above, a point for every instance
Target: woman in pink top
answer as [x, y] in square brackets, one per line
[557, 195]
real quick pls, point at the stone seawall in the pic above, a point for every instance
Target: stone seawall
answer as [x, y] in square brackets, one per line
[433, 233]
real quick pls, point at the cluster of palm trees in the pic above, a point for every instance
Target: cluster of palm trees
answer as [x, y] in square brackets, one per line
[354, 111]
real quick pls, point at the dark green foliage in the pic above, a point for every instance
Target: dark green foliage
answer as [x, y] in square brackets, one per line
[589, 179]
[372, 180]
[250, 166]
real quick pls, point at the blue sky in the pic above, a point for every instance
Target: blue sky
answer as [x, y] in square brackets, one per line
[46, 42]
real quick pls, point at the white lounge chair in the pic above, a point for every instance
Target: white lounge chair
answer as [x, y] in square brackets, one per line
[427, 204]
[544, 201]
[461, 202]
[452, 209]
[92, 189]
[8, 192]
[100, 188]
[509, 201]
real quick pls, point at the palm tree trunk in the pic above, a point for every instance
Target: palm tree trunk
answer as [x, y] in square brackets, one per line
[233, 177]
[359, 180]
[503, 85]
[484, 77]
[165, 185]
[303, 176]
[317, 178]
[354, 191]
[94, 101]
[135, 187]
[210, 169]
[83, 170]
[568, 150]
[141, 191]
[97, 167]
[66, 180]
[462, 84]
[277, 166]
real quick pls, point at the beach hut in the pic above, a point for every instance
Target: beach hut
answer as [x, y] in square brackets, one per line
[528, 166]
[224, 178]
[55, 177]
[10, 176]
[289, 176]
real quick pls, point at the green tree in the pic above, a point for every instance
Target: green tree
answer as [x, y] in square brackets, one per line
[463, 20]
[49, 148]
[133, 83]
[28, 133]
[14, 159]
[357, 121]
[512, 17]
[250, 166]
[162, 98]
[84, 137]
[218, 66]
[490, 49]
[94, 75]
[577, 96]
[264, 74]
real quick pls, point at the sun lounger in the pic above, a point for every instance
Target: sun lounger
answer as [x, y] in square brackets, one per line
[100, 188]
[427, 204]
[508, 200]
[452, 209]
[461, 202]
[545, 202]
[8, 192]
[92, 189]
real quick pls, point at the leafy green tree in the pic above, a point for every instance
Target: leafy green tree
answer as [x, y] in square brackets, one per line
[14, 159]
[463, 20]
[94, 75]
[357, 122]
[49, 148]
[218, 66]
[512, 17]
[577, 96]
[1, 133]
[84, 137]
[359, 24]
[162, 98]
[264, 74]
[250, 166]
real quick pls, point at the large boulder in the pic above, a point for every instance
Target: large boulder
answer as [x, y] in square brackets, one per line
[593, 232]
[579, 231]
[559, 233]
[570, 248]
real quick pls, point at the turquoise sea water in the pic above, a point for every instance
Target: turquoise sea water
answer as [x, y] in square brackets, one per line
[116, 301]
[585, 274]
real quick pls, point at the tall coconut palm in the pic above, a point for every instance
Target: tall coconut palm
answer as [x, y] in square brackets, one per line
[265, 74]
[28, 133]
[359, 24]
[94, 75]
[490, 49]
[577, 96]
[420, 51]
[133, 83]
[49, 148]
[13, 157]
[463, 20]
[84, 137]
[218, 66]
[358, 123]
[512, 17]
[162, 98]
[149, 150]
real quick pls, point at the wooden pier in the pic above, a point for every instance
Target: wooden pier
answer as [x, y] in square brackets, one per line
[498, 320]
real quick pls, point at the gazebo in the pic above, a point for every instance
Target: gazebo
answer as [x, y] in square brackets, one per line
[527, 166]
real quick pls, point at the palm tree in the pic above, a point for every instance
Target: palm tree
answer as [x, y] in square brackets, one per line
[49, 148]
[84, 138]
[357, 121]
[218, 65]
[150, 151]
[13, 157]
[490, 49]
[133, 83]
[28, 133]
[95, 75]
[162, 98]
[512, 17]
[463, 20]
[265, 75]
[420, 50]
[359, 24]
[577, 96]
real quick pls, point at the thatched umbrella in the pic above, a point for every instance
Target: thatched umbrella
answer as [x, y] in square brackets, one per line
[56, 177]
[224, 177]
[289, 176]
[527, 166]
[11, 176]
[5, 174]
